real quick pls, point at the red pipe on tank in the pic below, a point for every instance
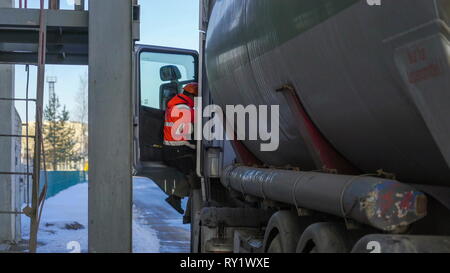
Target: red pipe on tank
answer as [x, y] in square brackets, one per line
[244, 155]
[323, 153]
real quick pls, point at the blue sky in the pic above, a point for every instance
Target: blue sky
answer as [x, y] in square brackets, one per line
[172, 23]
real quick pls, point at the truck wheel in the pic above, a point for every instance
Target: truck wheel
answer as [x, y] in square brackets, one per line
[275, 245]
[324, 238]
[283, 231]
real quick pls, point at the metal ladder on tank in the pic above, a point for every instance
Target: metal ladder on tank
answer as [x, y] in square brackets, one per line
[33, 208]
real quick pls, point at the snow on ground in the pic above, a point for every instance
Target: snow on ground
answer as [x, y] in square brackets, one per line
[156, 214]
[65, 220]
[66, 208]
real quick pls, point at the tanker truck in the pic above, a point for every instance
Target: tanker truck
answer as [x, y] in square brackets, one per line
[360, 94]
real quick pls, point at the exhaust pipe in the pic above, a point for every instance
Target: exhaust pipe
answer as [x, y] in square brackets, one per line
[381, 203]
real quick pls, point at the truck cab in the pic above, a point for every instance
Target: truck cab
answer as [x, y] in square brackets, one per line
[161, 73]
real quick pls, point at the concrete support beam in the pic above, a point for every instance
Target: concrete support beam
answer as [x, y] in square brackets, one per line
[67, 36]
[6, 3]
[8, 186]
[29, 18]
[110, 125]
[7, 221]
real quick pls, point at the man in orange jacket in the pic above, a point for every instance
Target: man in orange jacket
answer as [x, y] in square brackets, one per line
[179, 145]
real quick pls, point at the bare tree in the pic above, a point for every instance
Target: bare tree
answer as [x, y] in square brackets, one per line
[81, 116]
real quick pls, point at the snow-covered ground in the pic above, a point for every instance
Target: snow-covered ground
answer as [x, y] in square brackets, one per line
[64, 222]
[155, 213]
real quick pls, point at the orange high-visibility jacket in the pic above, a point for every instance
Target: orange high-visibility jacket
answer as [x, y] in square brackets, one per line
[178, 126]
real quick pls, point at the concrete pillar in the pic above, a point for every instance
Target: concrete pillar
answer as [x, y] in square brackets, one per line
[110, 125]
[8, 188]
[6, 152]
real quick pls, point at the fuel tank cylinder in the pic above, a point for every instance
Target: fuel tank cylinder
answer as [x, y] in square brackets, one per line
[374, 80]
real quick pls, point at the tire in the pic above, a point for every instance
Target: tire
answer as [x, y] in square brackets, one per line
[283, 232]
[324, 238]
[275, 246]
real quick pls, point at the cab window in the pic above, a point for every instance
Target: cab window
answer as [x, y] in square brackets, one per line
[163, 75]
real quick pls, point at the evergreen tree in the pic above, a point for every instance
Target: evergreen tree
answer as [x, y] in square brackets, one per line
[58, 135]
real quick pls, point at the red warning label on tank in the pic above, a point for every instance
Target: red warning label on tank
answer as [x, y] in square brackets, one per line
[426, 73]
[421, 61]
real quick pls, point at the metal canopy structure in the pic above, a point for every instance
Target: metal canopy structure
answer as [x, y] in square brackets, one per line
[67, 36]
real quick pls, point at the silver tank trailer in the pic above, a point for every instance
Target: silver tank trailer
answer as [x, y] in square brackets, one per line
[374, 80]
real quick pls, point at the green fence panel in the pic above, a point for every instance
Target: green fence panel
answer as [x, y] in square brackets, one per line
[60, 180]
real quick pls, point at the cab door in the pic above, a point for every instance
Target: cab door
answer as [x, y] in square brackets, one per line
[161, 73]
